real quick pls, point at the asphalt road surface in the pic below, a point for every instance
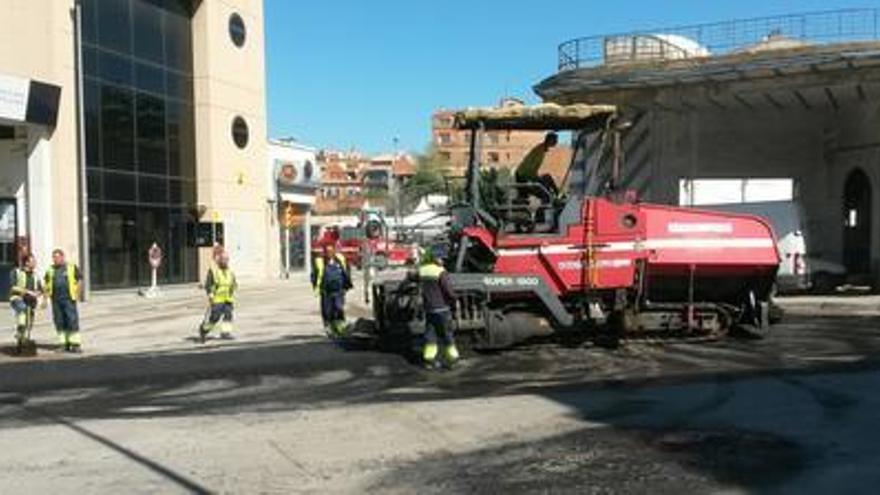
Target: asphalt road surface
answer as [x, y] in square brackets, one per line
[795, 413]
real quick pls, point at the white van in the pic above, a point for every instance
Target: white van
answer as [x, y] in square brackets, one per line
[798, 270]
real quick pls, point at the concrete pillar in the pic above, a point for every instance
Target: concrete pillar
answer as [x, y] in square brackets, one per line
[308, 242]
[39, 197]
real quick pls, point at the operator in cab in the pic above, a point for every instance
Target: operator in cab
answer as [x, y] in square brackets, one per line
[438, 298]
[529, 170]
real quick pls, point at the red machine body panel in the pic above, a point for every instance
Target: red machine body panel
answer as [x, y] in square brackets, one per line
[605, 249]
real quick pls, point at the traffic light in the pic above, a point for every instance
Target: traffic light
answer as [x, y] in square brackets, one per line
[289, 216]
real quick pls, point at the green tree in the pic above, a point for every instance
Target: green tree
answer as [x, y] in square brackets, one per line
[427, 179]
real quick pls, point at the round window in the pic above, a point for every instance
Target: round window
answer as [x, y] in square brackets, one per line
[240, 132]
[237, 30]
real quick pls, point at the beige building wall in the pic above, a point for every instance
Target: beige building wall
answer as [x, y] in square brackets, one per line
[500, 149]
[230, 82]
[37, 42]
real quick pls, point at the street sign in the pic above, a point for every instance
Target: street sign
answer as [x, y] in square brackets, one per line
[204, 234]
[154, 256]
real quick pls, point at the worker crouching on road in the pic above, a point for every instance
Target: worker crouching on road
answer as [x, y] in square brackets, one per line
[221, 285]
[61, 285]
[330, 280]
[438, 298]
[24, 297]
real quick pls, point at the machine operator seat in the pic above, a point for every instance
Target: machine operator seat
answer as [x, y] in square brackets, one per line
[536, 206]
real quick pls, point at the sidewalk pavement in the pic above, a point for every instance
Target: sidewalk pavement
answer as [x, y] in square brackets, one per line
[833, 305]
[122, 322]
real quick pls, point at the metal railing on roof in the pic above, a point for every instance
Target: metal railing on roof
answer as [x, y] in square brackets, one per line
[720, 38]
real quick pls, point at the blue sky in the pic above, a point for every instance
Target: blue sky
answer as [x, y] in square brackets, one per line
[358, 73]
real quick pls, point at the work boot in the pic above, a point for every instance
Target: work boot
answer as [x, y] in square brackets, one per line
[451, 355]
[226, 330]
[19, 341]
[203, 334]
[339, 328]
[74, 342]
[429, 355]
[63, 344]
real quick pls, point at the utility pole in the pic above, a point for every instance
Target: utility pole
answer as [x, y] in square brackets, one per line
[398, 190]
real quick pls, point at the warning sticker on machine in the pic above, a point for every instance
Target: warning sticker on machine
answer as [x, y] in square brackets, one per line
[604, 263]
[700, 228]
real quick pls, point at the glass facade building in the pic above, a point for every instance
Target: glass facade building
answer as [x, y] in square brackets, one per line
[140, 139]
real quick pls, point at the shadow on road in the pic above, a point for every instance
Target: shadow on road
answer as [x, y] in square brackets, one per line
[165, 472]
[747, 414]
[611, 460]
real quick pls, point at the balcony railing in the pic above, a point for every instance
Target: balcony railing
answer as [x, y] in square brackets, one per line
[720, 38]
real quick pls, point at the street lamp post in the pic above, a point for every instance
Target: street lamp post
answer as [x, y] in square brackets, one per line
[397, 186]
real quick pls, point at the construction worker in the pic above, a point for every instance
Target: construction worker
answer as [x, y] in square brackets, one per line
[416, 253]
[220, 285]
[438, 298]
[24, 296]
[330, 280]
[61, 285]
[528, 171]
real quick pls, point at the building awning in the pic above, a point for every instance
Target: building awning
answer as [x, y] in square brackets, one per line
[298, 198]
[28, 101]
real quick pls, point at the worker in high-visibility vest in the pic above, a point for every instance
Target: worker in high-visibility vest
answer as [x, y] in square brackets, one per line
[61, 285]
[220, 285]
[438, 298]
[24, 295]
[330, 280]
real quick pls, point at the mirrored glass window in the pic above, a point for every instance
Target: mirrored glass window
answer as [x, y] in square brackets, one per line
[140, 138]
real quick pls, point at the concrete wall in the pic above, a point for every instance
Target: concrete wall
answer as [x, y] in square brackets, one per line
[37, 41]
[851, 141]
[230, 82]
[818, 148]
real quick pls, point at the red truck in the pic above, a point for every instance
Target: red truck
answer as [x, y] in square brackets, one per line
[371, 234]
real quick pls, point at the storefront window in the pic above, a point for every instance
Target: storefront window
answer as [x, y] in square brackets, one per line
[117, 127]
[295, 258]
[114, 24]
[140, 138]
